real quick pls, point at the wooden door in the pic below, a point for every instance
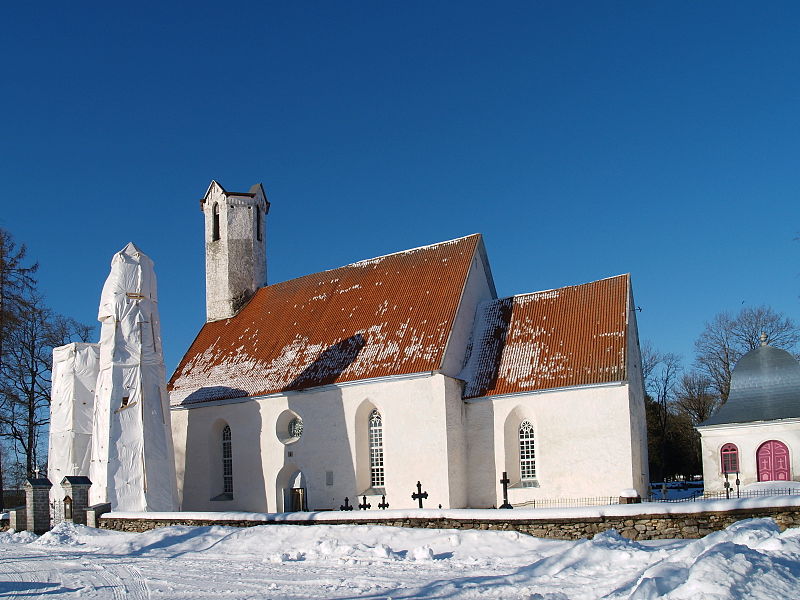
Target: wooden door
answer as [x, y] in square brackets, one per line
[773, 461]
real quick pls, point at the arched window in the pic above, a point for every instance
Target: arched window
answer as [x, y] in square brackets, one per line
[227, 462]
[259, 235]
[375, 429]
[729, 455]
[527, 452]
[215, 222]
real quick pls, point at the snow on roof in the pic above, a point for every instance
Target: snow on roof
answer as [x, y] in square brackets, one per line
[385, 316]
[565, 337]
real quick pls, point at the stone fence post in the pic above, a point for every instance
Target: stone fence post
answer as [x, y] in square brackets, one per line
[76, 489]
[17, 518]
[37, 503]
[94, 512]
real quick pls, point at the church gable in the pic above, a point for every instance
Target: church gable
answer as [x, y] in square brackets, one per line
[385, 316]
[565, 337]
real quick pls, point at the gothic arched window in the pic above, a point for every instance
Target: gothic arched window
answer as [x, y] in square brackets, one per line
[527, 452]
[730, 458]
[227, 461]
[375, 430]
[215, 222]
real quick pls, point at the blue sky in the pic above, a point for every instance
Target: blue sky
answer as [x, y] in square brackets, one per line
[582, 139]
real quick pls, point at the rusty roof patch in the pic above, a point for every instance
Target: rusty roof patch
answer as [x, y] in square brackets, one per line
[557, 338]
[389, 315]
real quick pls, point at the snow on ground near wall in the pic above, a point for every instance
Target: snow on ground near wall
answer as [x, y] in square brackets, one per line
[750, 559]
[611, 510]
[779, 487]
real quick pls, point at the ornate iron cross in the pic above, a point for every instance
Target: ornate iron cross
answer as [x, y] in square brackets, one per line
[364, 505]
[347, 505]
[419, 495]
[383, 503]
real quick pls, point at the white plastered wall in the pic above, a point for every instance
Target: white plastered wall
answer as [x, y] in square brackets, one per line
[478, 288]
[747, 437]
[583, 444]
[633, 369]
[422, 437]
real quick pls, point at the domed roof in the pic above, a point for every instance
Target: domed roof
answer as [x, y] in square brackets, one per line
[765, 385]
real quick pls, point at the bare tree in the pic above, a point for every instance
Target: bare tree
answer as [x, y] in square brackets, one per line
[650, 359]
[661, 372]
[726, 338]
[695, 397]
[25, 375]
[16, 282]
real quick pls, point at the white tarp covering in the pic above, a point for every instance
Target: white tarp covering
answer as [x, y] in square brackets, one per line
[132, 464]
[74, 376]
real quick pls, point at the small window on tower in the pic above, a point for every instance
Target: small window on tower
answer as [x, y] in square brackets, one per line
[125, 403]
[215, 223]
[258, 224]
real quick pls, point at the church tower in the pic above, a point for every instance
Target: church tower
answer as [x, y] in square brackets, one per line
[235, 240]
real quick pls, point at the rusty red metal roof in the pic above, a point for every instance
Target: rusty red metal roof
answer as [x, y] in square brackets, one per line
[569, 336]
[390, 315]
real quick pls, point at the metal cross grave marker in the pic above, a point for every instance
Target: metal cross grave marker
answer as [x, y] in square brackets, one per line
[364, 505]
[505, 481]
[347, 505]
[419, 495]
[383, 503]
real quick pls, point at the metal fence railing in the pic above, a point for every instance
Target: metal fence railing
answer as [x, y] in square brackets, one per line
[733, 494]
[567, 502]
[694, 496]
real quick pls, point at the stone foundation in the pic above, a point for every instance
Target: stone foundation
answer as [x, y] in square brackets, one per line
[639, 527]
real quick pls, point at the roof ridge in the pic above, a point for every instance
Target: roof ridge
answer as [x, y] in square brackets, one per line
[407, 251]
[563, 287]
[368, 261]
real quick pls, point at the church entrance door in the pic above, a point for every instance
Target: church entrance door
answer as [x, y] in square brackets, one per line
[297, 500]
[772, 459]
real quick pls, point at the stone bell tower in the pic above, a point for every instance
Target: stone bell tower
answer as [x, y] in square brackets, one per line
[235, 240]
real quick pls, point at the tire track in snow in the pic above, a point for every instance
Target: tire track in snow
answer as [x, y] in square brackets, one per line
[24, 577]
[33, 578]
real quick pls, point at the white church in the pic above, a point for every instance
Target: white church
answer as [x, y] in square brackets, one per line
[365, 379]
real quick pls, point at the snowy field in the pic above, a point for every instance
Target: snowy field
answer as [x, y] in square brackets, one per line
[750, 559]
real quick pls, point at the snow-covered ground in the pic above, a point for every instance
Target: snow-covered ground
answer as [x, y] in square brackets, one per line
[751, 559]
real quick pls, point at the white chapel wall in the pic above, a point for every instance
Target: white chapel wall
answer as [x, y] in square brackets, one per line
[331, 453]
[747, 437]
[455, 411]
[633, 370]
[476, 290]
[582, 444]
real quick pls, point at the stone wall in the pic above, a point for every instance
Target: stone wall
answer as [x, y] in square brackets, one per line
[640, 527]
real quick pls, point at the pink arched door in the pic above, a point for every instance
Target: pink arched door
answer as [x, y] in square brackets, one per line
[772, 459]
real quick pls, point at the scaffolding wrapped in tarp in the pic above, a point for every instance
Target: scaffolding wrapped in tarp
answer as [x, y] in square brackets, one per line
[74, 375]
[132, 463]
